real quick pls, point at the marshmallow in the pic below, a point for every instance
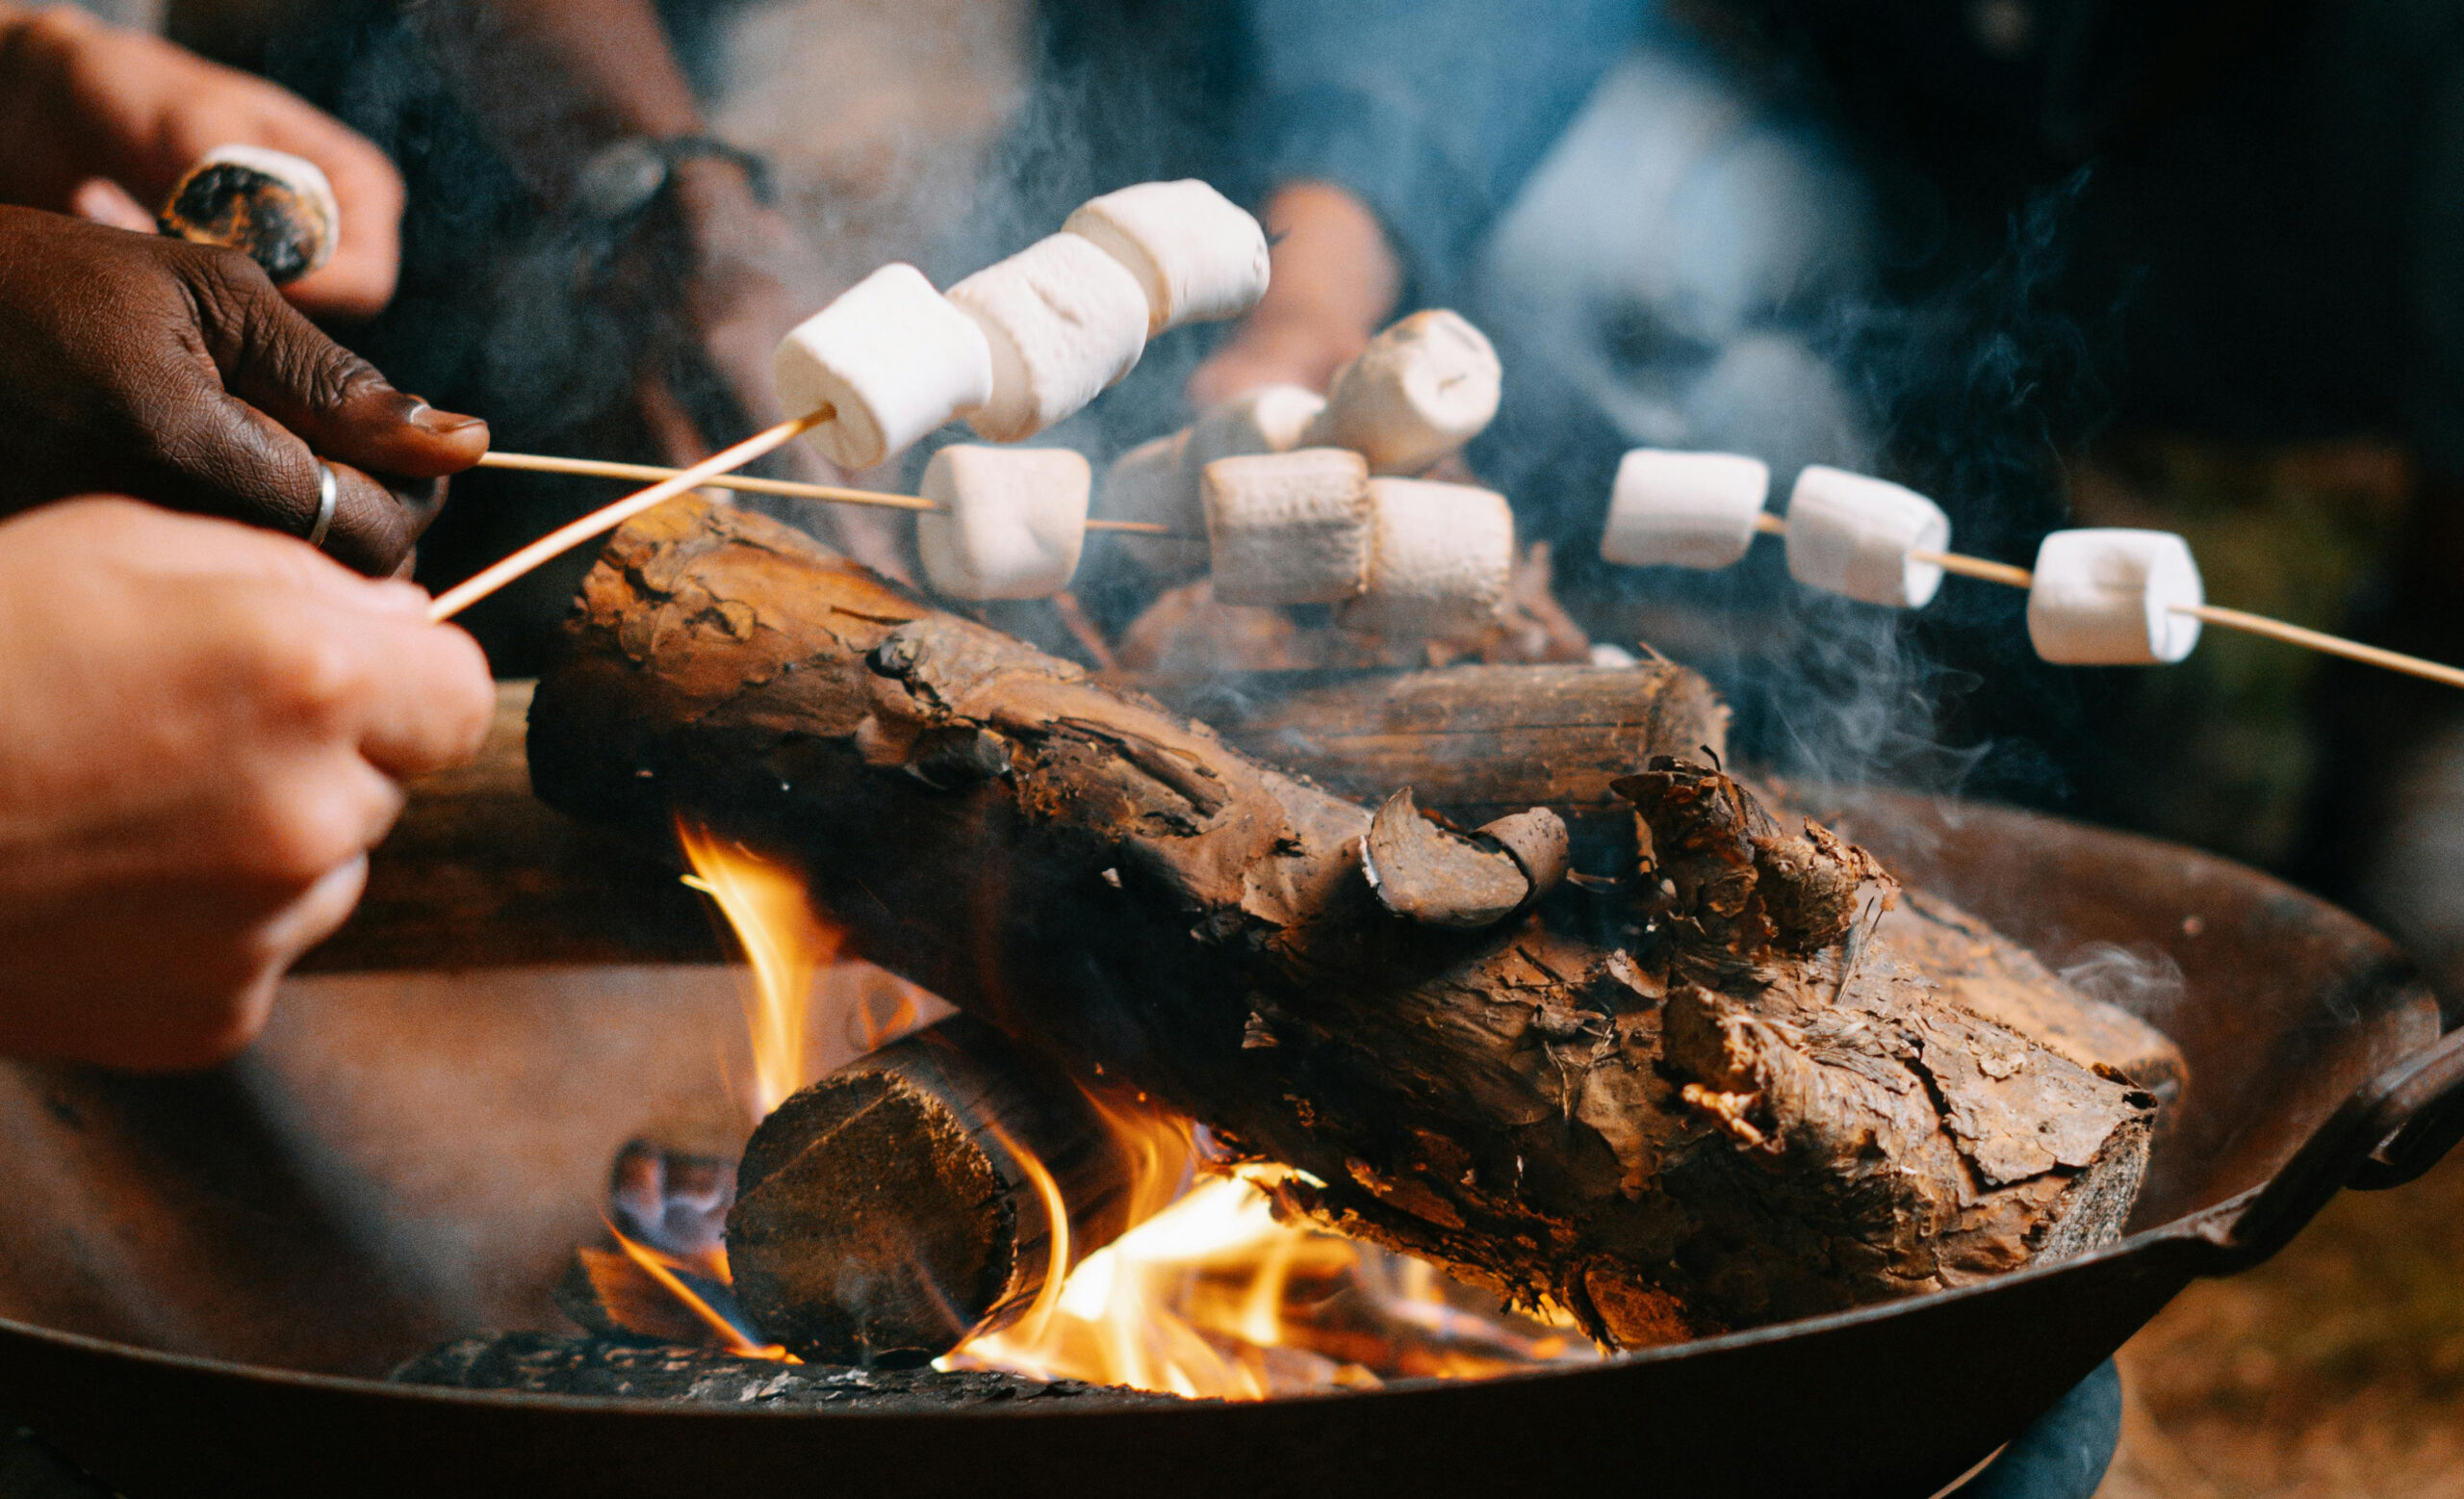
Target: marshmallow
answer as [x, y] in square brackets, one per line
[1014, 520]
[1855, 535]
[1064, 321]
[2106, 597]
[1270, 419]
[1288, 528]
[1421, 390]
[1684, 509]
[1441, 559]
[1199, 255]
[892, 358]
[278, 208]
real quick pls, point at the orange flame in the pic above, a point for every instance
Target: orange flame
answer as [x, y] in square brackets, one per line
[1207, 1295]
[662, 1267]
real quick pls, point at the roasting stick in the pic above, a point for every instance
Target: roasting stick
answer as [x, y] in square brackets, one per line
[2223, 618]
[471, 591]
[600, 468]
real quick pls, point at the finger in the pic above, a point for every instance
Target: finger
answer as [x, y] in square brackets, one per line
[430, 704]
[101, 200]
[360, 279]
[290, 932]
[273, 358]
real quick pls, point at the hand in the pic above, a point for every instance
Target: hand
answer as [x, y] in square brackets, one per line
[1335, 281]
[102, 121]
[174, 373]
[203, 733]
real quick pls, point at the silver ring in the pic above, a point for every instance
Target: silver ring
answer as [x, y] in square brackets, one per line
[329, 495]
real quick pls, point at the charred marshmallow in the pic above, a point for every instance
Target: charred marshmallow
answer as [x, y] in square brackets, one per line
[277, 208]
[1420, 391]
[892, 358]
[2106, 597]
[1859, 537]
[1441, 559]
[1064, 319]
[1684, 509]
[1289, 527]
[1199, 255]
[1013, 522]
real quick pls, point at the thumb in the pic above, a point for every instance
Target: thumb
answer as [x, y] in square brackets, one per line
[280, 363]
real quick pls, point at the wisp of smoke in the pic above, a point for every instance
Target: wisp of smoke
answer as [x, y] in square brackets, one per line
[2140, 978]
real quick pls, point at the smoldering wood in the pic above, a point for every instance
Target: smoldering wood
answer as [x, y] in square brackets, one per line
[543, 1363]
[1121, 887]
[884, 1214]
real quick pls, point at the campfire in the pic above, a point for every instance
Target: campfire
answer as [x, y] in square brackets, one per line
[1210, 1294]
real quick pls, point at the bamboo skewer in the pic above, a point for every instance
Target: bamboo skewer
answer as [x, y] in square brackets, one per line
[471, 591]
[598, 468]
[2223, 618]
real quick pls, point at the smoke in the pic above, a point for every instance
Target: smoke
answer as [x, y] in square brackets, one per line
[2141, 979]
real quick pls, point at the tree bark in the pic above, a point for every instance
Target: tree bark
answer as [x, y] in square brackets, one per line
[1708, 1127]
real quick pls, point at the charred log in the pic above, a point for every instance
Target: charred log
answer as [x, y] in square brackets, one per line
[891, 1209]
[541, 1364]
[1116, 884]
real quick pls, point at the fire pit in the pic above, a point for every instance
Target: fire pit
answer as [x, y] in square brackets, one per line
[205, 1278]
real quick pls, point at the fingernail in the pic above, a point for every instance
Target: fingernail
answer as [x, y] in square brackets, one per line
[428, 418]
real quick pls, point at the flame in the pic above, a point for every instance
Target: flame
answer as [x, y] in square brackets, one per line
[785, 940]
[1207, 1295]
[662, 1268]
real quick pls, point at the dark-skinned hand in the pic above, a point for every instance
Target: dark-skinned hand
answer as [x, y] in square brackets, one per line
[177, 374]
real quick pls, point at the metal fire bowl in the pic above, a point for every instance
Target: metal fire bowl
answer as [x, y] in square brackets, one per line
[203, 1276]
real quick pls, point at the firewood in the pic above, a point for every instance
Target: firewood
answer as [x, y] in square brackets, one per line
[1730, 1123]
[541, 1364]
[884, 1214]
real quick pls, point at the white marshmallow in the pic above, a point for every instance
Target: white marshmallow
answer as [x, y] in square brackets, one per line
[1200, 256]
[1421, 390]
[1684, 509]
[1288, 528]
[1154, 482]
[1270, 419]
[1016, 522]
[892, 358]
[1855, 535]
[2105, 598]
[1064, 321]
[1441, 559]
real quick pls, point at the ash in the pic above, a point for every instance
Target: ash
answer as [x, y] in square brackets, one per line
[545, 1363]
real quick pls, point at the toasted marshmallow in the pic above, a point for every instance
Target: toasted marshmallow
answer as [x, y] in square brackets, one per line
[1855, 535]
[1441, 559]
[277, 209]
[1064, 319]
[892, 358]
[1420, 391]
[1014, 520]
[1288, 528]
[1684, 509]
[1199, 256]
[2105, 596]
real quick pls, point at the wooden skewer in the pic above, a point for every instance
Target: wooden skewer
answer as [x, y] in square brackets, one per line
[600, 468]
[2220, 617]
[471, 591]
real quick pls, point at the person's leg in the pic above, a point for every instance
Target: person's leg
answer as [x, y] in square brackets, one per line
[2064, 1454]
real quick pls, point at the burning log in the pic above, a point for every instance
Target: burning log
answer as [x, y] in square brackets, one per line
[905, 1201]
[542, 1364]
[1758, 1112]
